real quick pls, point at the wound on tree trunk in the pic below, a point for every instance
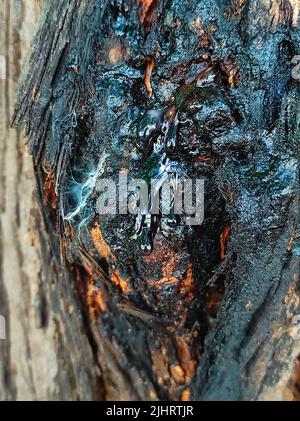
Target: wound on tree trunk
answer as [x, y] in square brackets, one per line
[198, 90]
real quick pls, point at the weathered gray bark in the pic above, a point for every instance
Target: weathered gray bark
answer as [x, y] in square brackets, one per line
[46, 355]
[159, 332]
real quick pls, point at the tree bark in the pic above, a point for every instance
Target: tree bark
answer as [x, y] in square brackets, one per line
[46, 354]
[212, 313]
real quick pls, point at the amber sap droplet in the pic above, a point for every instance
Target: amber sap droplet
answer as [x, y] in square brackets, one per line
[150, 64]
[224, 238]
[171, 114]
[145, 5]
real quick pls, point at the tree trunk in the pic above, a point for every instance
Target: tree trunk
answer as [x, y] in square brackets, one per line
[157, 310]
[46, 354]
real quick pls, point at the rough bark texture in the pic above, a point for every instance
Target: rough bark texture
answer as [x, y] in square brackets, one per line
[46, 355]
[213, 311]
